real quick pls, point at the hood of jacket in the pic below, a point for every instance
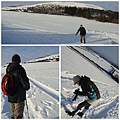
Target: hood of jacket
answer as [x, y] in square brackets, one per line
[12, 66]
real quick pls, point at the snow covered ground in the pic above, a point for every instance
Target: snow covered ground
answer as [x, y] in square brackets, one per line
[43, 96]
[29, 28]
[74, 64]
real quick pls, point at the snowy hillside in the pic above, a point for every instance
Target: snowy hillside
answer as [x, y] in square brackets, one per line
[75, 64]
[43, 96]
[51, 58]
[108, 5]
[88, 11]
[47, 4]
[29, 28]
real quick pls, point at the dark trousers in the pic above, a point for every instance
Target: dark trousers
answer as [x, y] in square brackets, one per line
[84, 104]
[82, 37]
[17, 110]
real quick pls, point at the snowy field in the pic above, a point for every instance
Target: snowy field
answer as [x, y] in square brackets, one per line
[43, 96]
[29, 28]
[74, 64]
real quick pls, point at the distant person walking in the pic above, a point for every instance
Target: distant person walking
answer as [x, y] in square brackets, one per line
[82, 33]
[22, 84]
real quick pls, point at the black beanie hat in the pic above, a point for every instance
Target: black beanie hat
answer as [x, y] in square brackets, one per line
[16, 58]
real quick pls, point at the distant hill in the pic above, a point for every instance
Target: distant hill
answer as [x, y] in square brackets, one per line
[88, 11]
[49, 58]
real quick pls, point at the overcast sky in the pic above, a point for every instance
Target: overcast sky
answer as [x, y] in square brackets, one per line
[109, 5]
[27, 52]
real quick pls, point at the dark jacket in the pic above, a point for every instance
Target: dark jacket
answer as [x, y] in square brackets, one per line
[81, 30]
[89, 88]
[21, 80]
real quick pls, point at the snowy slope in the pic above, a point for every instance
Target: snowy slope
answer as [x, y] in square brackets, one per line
[29, 28]
[43, 96]
[73, 64]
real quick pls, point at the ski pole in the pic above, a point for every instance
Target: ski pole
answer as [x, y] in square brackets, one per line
[75, 97]
[27, 109]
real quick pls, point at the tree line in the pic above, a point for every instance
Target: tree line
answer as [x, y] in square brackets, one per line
[96, 14]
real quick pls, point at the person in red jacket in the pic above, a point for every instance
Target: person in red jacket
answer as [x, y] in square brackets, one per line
[82, 33]
[90, 90]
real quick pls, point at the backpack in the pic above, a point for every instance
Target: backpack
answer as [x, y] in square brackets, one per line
[8, 85]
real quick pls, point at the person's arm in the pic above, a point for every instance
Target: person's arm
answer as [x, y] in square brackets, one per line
[81, 93]
[24, 79]
[78, 31]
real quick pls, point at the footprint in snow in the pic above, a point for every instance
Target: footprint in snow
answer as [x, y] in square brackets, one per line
[47, 102]
[48, 107]
[48, 85]
[31, 95]
[38, 108]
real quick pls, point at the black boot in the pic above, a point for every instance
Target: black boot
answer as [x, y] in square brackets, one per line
[81, 40]
[80, 114]
[84, 41]
[70, 113]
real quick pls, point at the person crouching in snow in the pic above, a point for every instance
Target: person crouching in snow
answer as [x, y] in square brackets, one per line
[90, 90]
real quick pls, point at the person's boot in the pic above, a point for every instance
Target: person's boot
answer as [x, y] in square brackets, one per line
[81, 40]
[70, 113]
[80, 114]
[84, 41]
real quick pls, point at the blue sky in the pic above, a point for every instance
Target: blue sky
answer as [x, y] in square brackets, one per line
[26, 52]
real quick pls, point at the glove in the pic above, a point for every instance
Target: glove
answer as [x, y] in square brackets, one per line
[77, 92]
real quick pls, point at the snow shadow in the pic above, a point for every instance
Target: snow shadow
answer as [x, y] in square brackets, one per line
[95, 38]
[33, 36]
[28, 36]
[14, 37]
[4, 28]
[5, 107]
[63, 77]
